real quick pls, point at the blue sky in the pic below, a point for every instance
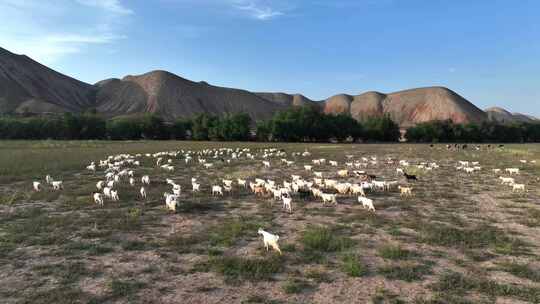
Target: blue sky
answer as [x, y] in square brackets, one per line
[487, 51]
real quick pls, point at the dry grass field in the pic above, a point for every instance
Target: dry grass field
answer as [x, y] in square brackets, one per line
[462, 238]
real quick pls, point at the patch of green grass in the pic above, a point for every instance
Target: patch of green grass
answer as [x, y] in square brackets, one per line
[405, 272]
[181, 243]
[352, 265]
[318, 276]
[65, 273]
[65, 294]
[531, 218]
[324, 239]
[395, 252]
[124, 288]
[229, 232]
[460, 285]
[482, 236]
[259, 299]
[295, 285]
[525, 271]
[383, 296]
[238, 269]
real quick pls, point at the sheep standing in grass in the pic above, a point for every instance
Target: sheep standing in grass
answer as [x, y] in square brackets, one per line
[366, 203]
[287, 200]
[196, 187]
[114, 195]
[57, 185]
[98, 199]
[37, 186]
[270, 240]
[405, 191]
[99, 185]
[107, 192]
[329, 198]
[131, 181]
[145, 180]
[217, 190]
[48, 179]
[171, 201]
[242, 182]
[507, 180]
[518, 188]
[143, 193]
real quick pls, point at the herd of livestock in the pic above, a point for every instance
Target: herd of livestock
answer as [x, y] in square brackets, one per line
[324, 180]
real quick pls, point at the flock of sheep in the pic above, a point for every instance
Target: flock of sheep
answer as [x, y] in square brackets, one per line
[321, 185]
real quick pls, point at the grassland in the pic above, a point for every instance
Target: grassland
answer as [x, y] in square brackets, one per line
[461, 239]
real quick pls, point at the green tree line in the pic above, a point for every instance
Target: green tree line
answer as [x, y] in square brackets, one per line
[447, 131]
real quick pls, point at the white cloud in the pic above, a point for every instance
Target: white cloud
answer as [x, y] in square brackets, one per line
[48, 33]
[113, 6]
[257, 10]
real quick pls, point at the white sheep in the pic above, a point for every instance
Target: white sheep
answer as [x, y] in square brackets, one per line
[329, 198]
[366, 203]
[217, 190]
[48, 179]
[131, 181]
[518, 188]
[270, 240]
[512, 170]
[99, 185]
[507, 180]
[308, 168]
[143, 193]
[242, 182]
[195, 187]
[98, 199]
[266, 164]
[114, 195]
[57, 185]
[145, 180]
[171, 201]
[107, 192]
[343, 173]
[287, 200]
[37, 186]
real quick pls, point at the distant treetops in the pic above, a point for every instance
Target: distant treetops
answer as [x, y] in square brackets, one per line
[299, 124]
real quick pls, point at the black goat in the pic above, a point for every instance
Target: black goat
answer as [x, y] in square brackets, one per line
[409, 177]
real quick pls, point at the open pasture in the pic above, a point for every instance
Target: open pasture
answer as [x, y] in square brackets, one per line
[460, 235]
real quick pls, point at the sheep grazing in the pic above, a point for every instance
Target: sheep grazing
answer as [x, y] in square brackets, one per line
[266, 164]
[506, 180]
[195, 187]
[518, 188]
[308, 167]
[48, 179]
[512, 170]
[242, 182]
[287, 203]
[98, 199]
[405, 191]
[217, 190]
[37, 186]
[145, 180]
[227, 182]
[57, 185]
[329, 198]
[496, 171]
[400, 171]
[333, 163]
[91, 167]
[131, 181]
[107, 192]
[366, 203]
[270, 240]
[343, 173]
[171, 201]
[142, 191]
[114, 195]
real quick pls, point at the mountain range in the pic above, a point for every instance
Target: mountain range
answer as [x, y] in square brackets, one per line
[30, 87]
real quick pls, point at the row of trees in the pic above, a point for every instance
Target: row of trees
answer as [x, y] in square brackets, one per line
[307, 124]
[447, 131]
[301, 124]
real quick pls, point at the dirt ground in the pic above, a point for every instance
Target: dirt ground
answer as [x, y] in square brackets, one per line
[462, 238]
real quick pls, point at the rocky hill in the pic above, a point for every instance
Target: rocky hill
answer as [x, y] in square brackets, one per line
[28, 86]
